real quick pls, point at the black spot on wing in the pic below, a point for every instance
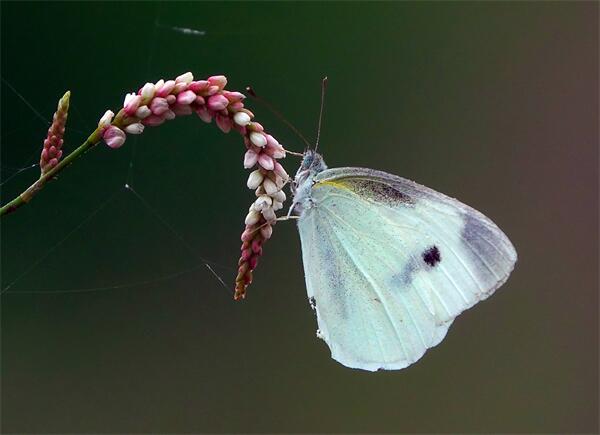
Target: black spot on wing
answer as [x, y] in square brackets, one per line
[378, 191]
[432, 256]
[313, 303]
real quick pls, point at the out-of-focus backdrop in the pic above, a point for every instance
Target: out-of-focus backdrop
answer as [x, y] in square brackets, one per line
[493, 103]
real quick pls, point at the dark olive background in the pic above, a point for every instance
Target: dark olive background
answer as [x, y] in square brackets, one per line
[493, 103]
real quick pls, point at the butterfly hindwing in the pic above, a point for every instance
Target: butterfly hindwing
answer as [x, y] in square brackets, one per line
[390, 263]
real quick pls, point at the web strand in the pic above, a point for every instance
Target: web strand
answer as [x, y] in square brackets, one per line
[33, 265]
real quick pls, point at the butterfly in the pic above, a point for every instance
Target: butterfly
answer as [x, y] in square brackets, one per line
[390, 263]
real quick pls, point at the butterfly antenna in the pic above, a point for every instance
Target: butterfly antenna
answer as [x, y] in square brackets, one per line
[278, 114]
[323, 88]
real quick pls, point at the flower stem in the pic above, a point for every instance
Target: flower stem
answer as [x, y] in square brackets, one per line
[32, 190]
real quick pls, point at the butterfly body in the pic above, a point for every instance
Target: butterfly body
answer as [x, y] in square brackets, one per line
[389, 263]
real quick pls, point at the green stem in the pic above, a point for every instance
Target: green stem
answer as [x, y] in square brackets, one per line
[32, 190]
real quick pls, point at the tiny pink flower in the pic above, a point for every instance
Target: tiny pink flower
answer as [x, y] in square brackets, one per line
[219, 81]
[255, 179]
[147, 92]
[106, 119]
[269, 186]
[199, 86]
[165, 89]
[136, 128]
[266, 161]
[114, 137]
[153, 121]
[250, 159]
[224, 123]
[237, 106]
[181, 110]
[255, 126]
[263, 202]
[204, 114]
[143, 112]
[269, 214]
[258, 139]
[279, 196]
[217, 102]
[279, 170]
[199, 100]
[186, 97]
[131, 103]
[171, 99]
[159, 105]
[169, 115]
[252, 218]
[233, 96]
[241, 118]
[179, 87]
[266, 231]
[186, 78]
[212, 90]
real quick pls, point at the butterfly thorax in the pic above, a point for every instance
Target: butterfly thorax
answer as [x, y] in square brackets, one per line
[312, 164]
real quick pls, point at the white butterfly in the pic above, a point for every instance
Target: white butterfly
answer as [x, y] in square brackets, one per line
[390, 263]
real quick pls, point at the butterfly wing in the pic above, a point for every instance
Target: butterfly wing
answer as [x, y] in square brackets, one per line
[390, 263]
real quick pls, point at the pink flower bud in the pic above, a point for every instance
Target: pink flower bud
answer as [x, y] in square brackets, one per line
[278, 196]
[258, 139]
[250, 159]
[269, 214]
[224, 123]
[114, 137]
[255, 179]
[255, 126]
[279, 170]
[241, 118]
[256, 246]
[131, 104]
[204, 114]
[233, 96]
[169, 115]
[253, 261]
[263, 202]
[248, 234]
[200, 101]
[136, 128]
[179, 87]
[219, 81]
[266, 232]
[269, 186]
[199, 86]
[106, 119]
[171, 99]
[217, 102]
[165, 89]
[143, 112]
[252, 218]
[159, 105]
[237, 106]
[212, 90]
[181, 110]
[153, 120]
[147, 92]
[186, 97]
[266, 161]
[185, 78]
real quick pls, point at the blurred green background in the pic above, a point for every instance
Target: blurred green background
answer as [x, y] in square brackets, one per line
[493, 103]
